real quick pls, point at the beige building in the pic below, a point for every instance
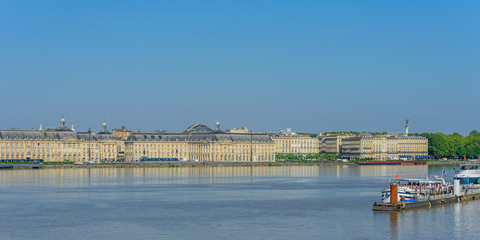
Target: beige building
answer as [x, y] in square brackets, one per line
[385, 147]
[332, 143]
[121, 133]
[412, 147]
[59, 144]
[236, 130]
[290, 142]
[201, 143]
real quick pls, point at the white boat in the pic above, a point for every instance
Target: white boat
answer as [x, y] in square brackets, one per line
[411, 190]
[468, 174]
[469, 178]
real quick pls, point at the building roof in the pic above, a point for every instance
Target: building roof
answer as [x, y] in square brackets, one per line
[22, 134]
[199, 132]
[103, 136]
[209, 137]
[52, 135]
[198, 128]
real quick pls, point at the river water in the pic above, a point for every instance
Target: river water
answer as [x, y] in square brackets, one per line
[281, 202]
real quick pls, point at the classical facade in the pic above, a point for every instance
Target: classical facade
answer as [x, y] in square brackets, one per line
[201, 143]
[412, 147]
[60, 144]
[332, 143]
[385, 147]
[198, 143]
[236, 130]
[121, 133]
[291, 142]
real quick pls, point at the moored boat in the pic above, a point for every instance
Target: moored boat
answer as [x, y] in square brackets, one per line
[468, 176]
[412, 190]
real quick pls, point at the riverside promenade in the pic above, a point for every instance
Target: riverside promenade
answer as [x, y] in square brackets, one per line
[172, 164]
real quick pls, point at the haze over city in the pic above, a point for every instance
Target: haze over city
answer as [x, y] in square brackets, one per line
[311, 66]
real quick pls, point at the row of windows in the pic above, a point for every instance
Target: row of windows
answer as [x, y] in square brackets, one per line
[214, 147]
[12, 149]
[219, 157]
[21, 144]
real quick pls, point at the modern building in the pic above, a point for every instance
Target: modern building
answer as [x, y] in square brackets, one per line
[201, 143]
[290, 142]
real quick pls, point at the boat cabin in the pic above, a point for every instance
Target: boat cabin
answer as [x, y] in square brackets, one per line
[468, 174]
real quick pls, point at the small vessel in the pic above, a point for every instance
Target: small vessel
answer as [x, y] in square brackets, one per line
[468, 174]
[468, 177]
[412, 190]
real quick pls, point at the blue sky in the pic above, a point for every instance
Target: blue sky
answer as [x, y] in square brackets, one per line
[312, 66]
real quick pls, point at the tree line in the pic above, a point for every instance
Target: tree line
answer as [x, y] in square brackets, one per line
[291, 156]
[454, 145]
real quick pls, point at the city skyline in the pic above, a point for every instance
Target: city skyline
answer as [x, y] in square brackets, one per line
[105, 126]
[310, 66]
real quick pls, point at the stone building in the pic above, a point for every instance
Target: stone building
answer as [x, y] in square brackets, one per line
[236, 130]
[290, 142]
[382, 147]
[201, 143]
[412, 147]
[121, 133]
[60, 144]
[332, 143]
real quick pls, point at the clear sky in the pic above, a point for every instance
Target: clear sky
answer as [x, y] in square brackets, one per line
[312, 66]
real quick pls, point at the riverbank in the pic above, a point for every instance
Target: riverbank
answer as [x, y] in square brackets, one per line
[198, 164]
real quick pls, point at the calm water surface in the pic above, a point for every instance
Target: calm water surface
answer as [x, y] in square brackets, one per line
[295, 202]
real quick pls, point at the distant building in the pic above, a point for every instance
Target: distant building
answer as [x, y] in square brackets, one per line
[121, 133]
[370, 147]
[412, 147]
[58, 144]
[235, 130]
[332, 143]
[290, 142]
[382, 147]
[201, 143]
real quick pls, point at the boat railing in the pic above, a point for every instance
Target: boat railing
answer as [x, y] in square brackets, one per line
[425, 192]
[431, 193]
[469, 189]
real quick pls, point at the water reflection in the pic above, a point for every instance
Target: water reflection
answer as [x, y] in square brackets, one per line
[457, 219]
[261, 202]
[394, 225]
[67, 177]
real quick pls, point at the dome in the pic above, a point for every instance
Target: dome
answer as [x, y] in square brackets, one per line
[63, 127]
[198, 128]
